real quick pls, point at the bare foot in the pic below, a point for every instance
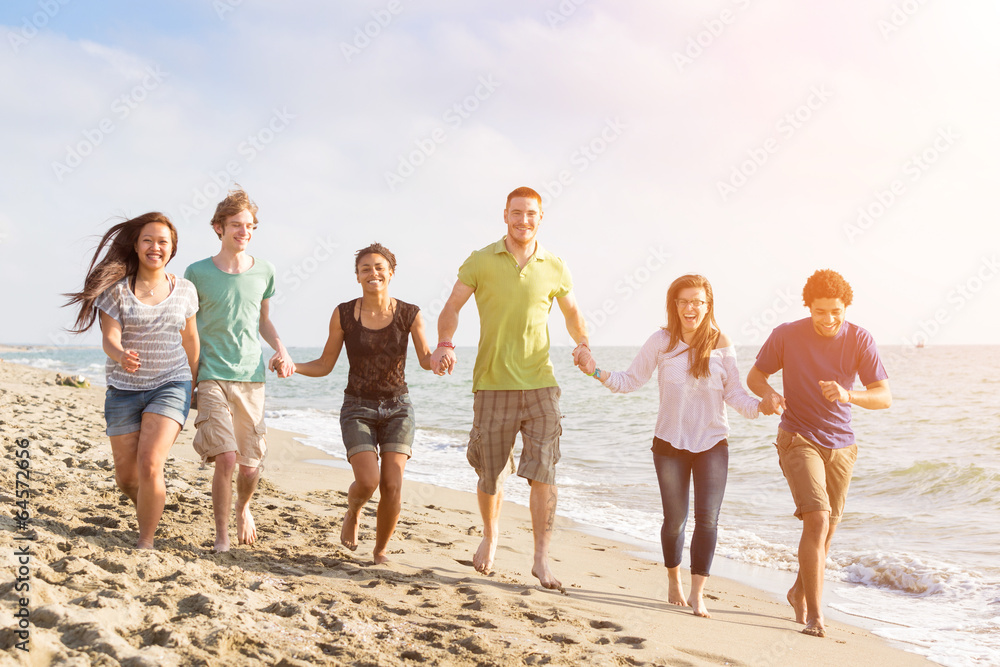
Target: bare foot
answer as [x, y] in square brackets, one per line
[381, 558]
[815, 629]
[483, 559]
[697, 605]
[142, 544]
[544, 574]
[221, 544]
[246, 529]
[798, 603]
[349, 531]
[675, 592]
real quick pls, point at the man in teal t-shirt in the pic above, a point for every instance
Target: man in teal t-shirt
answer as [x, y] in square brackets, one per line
[233, 293]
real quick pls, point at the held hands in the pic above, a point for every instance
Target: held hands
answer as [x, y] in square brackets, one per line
[834, 392]
[583, 359]
[772, 404]
[129, 361]
[282, 364]
[443, 360]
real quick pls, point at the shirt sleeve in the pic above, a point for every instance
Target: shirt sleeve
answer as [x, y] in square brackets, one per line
[269, 288]
[191, 304]
[734, 394]
[108, 302]
[467, 272]
[769, 359]
[565, 283]
[870, 368]
[639, 372]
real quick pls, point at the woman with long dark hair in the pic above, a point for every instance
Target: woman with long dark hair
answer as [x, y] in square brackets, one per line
[147, 319]
[697, 375]
[376, 420]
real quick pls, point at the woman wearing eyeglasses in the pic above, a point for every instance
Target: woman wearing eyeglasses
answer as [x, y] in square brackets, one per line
[697, 374]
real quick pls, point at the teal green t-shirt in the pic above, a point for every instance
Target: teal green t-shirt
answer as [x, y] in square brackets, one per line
[229, 318]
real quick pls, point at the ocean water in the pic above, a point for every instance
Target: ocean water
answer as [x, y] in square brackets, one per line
[917, 556]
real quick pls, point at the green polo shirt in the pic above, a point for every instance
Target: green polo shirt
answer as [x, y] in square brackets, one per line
[514, 306]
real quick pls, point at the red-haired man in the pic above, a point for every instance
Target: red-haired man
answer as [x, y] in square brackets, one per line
[515, 281]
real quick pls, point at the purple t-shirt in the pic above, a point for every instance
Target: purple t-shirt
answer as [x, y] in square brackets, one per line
[805, 358]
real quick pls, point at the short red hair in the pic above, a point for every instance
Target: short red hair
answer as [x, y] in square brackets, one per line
[525, 191]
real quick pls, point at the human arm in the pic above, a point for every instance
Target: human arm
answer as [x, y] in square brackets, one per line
[875, 396]
[281, 361]
[443, 358]
[331, 351]
[771, 403]
[192, 347]
[733, 392]
[420, 345]
[111, 333]
[638, 373]
[575, 324]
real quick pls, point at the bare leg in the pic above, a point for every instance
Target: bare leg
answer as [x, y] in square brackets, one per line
[695, 600]
[366, 478]
[807, 592]
[390, 490]
[675, 589]
[222, 497]
[124, 449]
[246, 484]
[155, 439]
[543, 519]
[489, 508]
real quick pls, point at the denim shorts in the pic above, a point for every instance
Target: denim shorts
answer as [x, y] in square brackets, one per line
[123, 409]
[372, 425]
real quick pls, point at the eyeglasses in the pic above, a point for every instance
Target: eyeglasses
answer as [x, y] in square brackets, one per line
[683, 303]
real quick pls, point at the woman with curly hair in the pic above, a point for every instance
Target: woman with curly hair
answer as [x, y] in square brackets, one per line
[147, 319]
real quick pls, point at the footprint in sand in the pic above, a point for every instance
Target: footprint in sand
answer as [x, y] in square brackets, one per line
[606, 625]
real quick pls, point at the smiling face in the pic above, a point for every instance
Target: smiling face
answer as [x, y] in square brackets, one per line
[236, 231]
[523, 216]
[827, 316]
[374, 272]
[154, 246]
[692, 306]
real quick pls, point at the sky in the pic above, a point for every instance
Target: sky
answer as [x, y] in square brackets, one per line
[753, 142]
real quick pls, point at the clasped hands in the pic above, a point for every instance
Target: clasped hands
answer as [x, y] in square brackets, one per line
[583, 359]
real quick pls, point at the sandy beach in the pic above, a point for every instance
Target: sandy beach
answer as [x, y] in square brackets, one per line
[297, 597]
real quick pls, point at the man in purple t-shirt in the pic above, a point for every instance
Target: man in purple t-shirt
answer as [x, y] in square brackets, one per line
[819, 357]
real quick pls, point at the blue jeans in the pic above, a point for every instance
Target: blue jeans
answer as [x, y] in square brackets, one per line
[674, 470]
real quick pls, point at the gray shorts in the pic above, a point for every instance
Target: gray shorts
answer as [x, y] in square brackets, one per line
[372, 425]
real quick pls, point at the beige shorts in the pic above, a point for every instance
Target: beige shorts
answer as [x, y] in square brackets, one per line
[498, 416]
[817, 476]
[231, 419]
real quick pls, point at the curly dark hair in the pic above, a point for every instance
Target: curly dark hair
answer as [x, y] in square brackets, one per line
[375, 249]
[827, 284]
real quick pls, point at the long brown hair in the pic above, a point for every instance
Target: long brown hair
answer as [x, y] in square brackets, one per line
[119, 261]
[705, 336]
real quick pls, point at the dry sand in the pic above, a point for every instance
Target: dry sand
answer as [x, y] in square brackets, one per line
[297, 597]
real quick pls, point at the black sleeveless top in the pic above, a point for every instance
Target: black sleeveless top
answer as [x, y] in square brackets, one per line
[377, 356]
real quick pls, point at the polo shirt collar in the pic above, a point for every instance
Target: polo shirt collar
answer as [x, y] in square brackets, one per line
[541, 254]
